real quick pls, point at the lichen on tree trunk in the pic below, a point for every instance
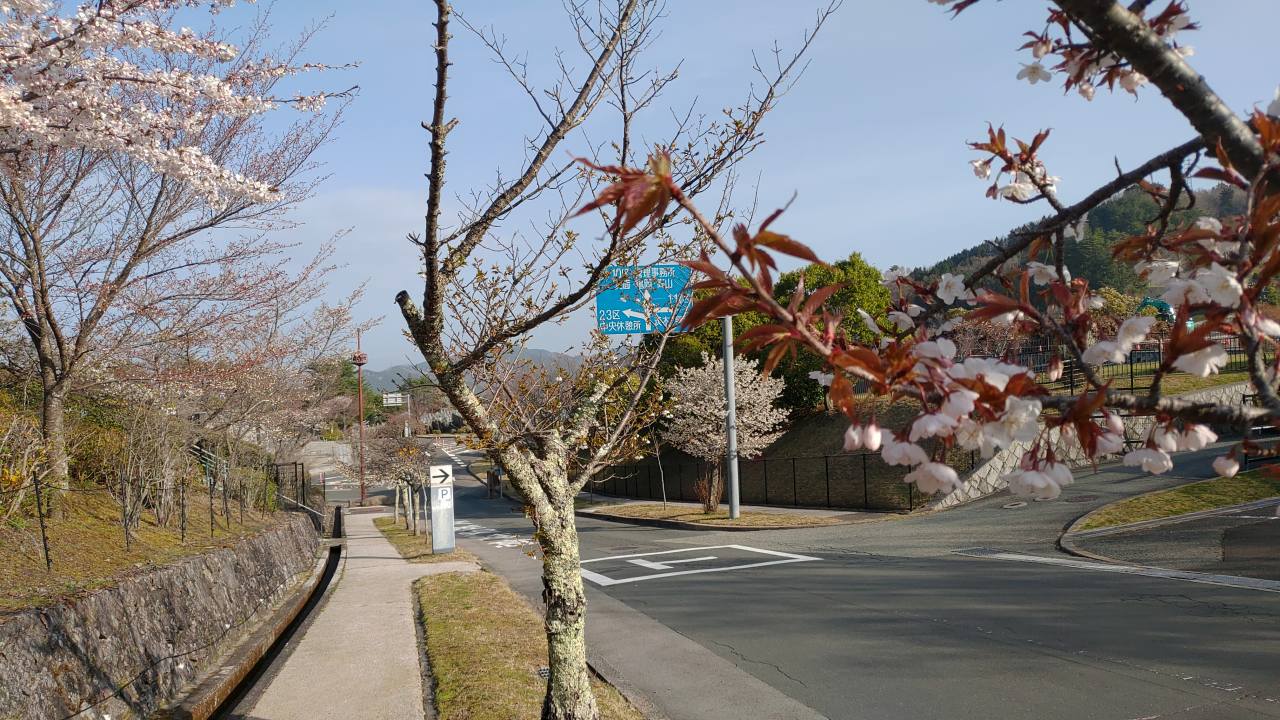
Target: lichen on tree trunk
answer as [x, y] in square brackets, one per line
[569, 695]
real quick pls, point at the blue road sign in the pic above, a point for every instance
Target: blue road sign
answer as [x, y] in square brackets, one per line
[638, 299]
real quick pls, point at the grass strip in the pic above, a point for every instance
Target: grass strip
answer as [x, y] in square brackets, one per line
[485, 644]
[720, 518]
[416, 548]
[1204, 495]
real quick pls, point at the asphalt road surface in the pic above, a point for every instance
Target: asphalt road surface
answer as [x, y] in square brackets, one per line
[916, 618]
[340, 489]
[1244, 542]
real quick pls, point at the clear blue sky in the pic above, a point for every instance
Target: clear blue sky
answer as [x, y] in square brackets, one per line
[872, 139]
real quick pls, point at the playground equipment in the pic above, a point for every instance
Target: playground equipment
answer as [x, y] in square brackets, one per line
[1162, 308]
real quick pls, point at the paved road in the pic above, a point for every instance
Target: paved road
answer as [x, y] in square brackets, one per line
[1244, 542]
[887, 619]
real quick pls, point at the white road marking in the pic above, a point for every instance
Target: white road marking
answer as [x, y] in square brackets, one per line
[468, 529]
[667, 564]
[1245, 583]
[604, 580]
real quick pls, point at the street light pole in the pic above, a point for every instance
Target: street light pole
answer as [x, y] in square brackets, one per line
[359, 359]
[731, 418]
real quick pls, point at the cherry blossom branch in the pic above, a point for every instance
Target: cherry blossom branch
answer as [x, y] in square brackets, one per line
[570, 119]
[623, 424]
[1020, 240]
[1125, 33]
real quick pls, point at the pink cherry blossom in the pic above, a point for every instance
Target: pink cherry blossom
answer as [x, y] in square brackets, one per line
[1203, 362]
[932, 477]
[871, 436]
[1226, 466]
[1152, 460]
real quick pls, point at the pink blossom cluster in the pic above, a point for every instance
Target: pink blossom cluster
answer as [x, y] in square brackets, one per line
[110, 78]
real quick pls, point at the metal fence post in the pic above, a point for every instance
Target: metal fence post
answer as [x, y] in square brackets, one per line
[866, 495]
[795, 499]
[826, 471]
[764, 462]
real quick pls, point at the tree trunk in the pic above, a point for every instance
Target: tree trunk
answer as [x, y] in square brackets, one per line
[395, 514]
[413, 505]
[404, 491]
[53, 428]
[710, 486]
[569, 695]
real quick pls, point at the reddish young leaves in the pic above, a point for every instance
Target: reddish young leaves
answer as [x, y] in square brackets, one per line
[637, 193]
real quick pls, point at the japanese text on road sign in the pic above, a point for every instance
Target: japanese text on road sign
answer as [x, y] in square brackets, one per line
[638, 299]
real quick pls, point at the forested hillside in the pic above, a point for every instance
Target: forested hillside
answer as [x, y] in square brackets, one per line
[1089, 255]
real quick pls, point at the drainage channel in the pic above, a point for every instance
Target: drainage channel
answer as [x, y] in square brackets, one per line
[229, 709]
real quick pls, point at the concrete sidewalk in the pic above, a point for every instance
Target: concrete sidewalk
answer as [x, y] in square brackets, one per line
[359, 658]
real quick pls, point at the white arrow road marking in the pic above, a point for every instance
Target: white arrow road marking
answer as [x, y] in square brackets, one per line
[666, 564]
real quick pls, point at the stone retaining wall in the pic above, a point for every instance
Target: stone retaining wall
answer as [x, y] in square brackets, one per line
[123, 651]
[987, 479]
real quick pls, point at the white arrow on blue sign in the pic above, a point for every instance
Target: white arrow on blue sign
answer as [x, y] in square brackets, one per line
[639, 299]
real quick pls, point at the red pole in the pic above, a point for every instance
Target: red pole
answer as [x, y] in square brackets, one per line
[360, 359]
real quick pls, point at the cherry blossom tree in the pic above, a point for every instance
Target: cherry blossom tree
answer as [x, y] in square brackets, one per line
[696, 424]
[124, 145]
[1215, 271]
[488, 285]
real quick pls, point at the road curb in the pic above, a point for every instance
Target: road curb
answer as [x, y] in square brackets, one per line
[1159, 522]
[1067, 540]
[680, 525]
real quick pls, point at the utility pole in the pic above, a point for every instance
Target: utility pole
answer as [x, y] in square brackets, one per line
[731, 418]
[359, 360]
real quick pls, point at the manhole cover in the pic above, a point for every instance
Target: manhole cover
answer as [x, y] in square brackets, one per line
[1014, 505]
[1080, 498]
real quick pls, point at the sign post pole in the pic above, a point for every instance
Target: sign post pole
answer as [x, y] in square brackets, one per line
[730, 419]
[441, 489]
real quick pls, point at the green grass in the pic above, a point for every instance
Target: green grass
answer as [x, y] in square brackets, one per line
[416, 548]
[684, 513]
[88, 551]
[1205, 495]
[1181, 383]
[485, 644]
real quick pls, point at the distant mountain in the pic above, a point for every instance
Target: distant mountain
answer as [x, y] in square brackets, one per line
[393, 377]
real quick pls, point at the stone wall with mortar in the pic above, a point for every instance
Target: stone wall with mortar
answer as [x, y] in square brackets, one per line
[123, 651]
[987, 479]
